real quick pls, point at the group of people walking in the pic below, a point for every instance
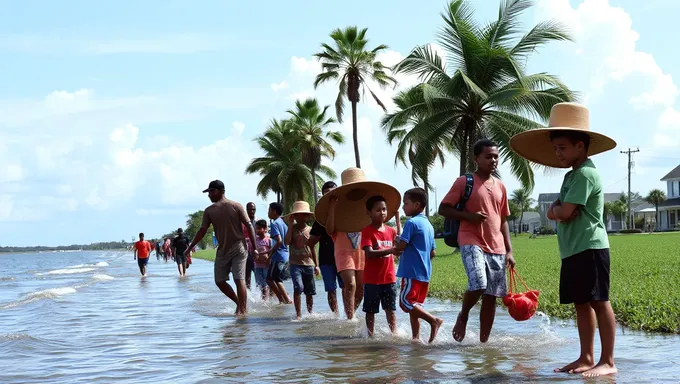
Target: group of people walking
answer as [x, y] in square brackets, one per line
[174, 249]
[358, 250]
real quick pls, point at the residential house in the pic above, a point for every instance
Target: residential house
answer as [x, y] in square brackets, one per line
[669, 210]
[531, 221]
[613, 224]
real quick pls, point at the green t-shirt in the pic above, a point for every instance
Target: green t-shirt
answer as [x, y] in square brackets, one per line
[583, 187]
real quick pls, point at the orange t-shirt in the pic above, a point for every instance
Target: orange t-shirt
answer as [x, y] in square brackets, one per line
[489, 197]
[143, 248]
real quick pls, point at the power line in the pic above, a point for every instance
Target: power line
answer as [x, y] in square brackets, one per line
[630, 152]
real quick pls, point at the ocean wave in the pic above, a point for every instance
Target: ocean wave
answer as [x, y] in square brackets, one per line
[101, 277]
[7, 278]
[53, 293]
[102, 264]
[67, 271]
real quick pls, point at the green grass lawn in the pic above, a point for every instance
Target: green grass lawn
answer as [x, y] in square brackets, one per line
[645, 277]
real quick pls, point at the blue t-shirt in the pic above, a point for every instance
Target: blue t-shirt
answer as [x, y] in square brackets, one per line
[279, 228]
[415, 262]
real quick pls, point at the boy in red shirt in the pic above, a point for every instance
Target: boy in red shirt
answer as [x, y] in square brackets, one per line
[142, 250]
[380, 280]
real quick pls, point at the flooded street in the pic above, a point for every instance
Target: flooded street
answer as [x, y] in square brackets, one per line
[89, 317]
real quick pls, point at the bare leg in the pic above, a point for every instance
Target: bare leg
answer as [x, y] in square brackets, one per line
[415, 325]
[179, 268]
[333, 301]
[349, 292]
[284, 294]
[141, 269]
[607, 327]
[370, 323]
[486, 317]
[469, 300]
[391, 321]
[144, 270]
[359, 293]
[275, 290]
[265, 293]
[585, 321]
[242, 303]
[310, 303]
[296, 300]
[249, 272]
[229, 292]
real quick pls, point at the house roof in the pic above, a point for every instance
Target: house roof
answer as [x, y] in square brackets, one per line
[608, 198]
[674, 174]
[528, 216]
[670, 202]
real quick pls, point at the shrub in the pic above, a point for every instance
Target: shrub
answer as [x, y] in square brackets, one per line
[628, 231]
[545, 230]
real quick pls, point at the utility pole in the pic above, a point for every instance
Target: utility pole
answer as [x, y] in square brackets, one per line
[436, 207]
[630, 152]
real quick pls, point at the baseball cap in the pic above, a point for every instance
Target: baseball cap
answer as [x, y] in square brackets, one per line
[215, 184]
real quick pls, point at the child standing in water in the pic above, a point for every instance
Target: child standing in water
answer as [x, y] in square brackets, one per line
[303, 263]
[263, 242]
[415, 265]
[380, 280]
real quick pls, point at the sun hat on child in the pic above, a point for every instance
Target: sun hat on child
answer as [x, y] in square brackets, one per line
[534, 145]
[350, 214]
[300, 207]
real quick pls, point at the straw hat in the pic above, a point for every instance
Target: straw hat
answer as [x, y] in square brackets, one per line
[300, 207]
[535, 145]
[350, 215]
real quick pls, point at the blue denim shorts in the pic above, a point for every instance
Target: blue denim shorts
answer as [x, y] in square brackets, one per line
[330, 275]
[261, 276]
[303, 279]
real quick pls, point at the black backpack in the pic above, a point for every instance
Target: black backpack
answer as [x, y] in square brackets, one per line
[451, 226]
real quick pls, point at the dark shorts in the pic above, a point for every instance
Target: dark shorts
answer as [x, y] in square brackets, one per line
[276, 272]
[180, 258]
[377, 294]
[142, 262]
[303, 279]
[584, 277]
[330, 275]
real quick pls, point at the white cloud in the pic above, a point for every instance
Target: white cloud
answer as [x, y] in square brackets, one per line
[280, 86]
[237, 128]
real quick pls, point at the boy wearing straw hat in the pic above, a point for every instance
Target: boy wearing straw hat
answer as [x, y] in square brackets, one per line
[343, 212]
[568, 142]
[302, 258]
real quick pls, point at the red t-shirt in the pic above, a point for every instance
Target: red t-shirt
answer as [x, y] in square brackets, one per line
[381, 270]
[143, 249]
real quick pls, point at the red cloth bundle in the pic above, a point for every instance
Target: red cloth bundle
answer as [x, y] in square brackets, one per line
[521, 306]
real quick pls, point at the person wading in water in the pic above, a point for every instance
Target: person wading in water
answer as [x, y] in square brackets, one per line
[227, 218]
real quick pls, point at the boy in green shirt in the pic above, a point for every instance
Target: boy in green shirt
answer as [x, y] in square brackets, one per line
[581, 233]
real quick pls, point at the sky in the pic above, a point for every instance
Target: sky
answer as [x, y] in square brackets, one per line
[115, 115]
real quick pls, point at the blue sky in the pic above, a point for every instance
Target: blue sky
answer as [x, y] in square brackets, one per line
[115, 115]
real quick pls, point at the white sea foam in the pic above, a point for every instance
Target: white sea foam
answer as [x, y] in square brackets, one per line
[102, 264]
[101, 277]
[67, 271]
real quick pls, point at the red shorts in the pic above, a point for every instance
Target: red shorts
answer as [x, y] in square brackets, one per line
[413, 292]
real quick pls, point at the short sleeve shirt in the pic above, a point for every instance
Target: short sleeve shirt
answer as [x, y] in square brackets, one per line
[279, 228]
[583, 187]
[379, 270]
[489, 197]
[263, 246]
[300, 254]
[143, 248]
[326, 247]
[226, 218]
[415, 261]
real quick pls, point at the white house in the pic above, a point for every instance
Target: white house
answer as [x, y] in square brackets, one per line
[531, 221]
[669, 210]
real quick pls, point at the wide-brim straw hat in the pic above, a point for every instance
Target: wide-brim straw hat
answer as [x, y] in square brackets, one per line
[535, 145]
[301, 207]
[350, 214]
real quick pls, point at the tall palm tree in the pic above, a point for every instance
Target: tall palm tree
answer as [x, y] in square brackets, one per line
[282, 168]
[352, 65]
[309, 125]
[522, 197]
[656, 197]
[485, 91]
[399, 128]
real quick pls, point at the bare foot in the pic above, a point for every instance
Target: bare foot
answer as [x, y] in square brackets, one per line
[578, 366]
[434, 328]
[601, 369]
[460, 327]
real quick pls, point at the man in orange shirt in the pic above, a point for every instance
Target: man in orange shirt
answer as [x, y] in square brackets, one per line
[142, 250]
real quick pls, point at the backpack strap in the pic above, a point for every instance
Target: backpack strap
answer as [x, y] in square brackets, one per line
[469, 183]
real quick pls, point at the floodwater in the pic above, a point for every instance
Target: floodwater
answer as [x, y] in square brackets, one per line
[88, 317]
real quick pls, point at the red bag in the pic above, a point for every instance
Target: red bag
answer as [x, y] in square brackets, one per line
[521, 306]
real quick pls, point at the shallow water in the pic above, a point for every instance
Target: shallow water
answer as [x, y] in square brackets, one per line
[89, 317]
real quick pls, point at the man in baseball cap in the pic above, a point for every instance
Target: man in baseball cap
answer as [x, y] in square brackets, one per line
[227, 218]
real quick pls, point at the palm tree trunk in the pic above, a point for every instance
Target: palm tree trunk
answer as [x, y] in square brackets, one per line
[656, 217]
[521, 217]
[278, 197]
[315, 187]
[464, 153]
[355, 135]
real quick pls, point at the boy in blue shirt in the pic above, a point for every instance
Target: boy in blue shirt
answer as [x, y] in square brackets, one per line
[278, 254]
[415, 264]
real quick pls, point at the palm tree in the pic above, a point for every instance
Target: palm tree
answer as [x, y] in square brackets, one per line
[349, 62]
[485, 92]
[399, 128]
[309, 125]
[522, 197]
[282, 168]
[656, 197]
